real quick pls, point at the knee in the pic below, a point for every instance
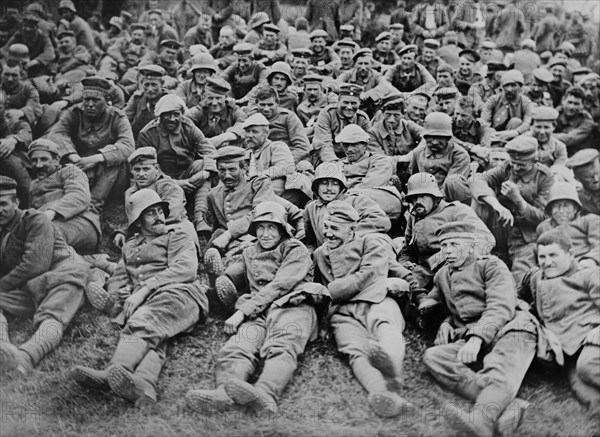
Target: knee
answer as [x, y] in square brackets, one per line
[588, 365]
[514, 123]
[431, 357]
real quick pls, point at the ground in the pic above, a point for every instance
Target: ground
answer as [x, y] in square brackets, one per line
[322, 399]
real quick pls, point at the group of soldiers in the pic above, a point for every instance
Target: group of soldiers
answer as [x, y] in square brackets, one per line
[436, 179]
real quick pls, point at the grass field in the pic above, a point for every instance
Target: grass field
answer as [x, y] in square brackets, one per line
[323, 399]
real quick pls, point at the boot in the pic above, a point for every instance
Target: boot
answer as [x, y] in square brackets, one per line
[200, 208]
[246, 394]
[99, 297]
[12, 358]
[202, 401]
[130, 386]
[474, 424]
[149, 371]
[129, 354]
[213, 262]
[226, 292]
[379, 359]
[47, 337]
[389, 404]
[511, 417]
[91, 378]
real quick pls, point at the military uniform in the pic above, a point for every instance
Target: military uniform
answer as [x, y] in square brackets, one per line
[553, 152]
[497, 111]
[375, 86]
[40, 47]
[476, 134]
[16, 164]
[585, 164]
[389, 58]
[191, 93]
[577, 133]
[229, 120]
[480, 92]
[308, 111]
[417, 80]
[464, 83]
[72, 67]
[223, 55]
[285, 126]
[242, 83]
[584, 232]
[124, 51]
[394, 144]
[26, 98]
[140, 111]
[154, 58]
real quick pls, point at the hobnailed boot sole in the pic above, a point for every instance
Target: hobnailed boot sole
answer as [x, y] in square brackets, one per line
[213, 262]
[10, 362]
[97, 296]
[91, 378]
[460, 420]
[122, 383]
[208, 401]
[381, 360]
[226, 291]
[512, 417]
[246, 394]
[388, 404]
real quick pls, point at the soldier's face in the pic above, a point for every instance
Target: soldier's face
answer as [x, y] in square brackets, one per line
[444, 79]
[300, 65]
[328, 189]
[337, 233]
[137, 36]
[279, 82]
[463, 117]
[456, 251]
[215, 102]
[205, 22]
[392, 118]
[256, 136]
[485, 53]
[156, 20]
[520, 168]
[226, 38]
[542, 130]
[244, 63]
[497, 159]
[446, 106]
[465, 66]
[312, 91]
[269, 37]
[168, 54]
[397, 35]
[436, 143]
[152, 221]
[152, 87]
[589, 176]
[171, 120]
[44, 163]
[572, 106]
[8, 207]
[10, 77]
[421, 204]
[145, 173]
[416, 110]
[29, 28]
[354, 151]
[201, 75]
[268, 234]
[349, 106]
[66, 14]
[267, 107]
[318, 44]
[428, 54]
[407, 60]
[511, 90]
[535, 89]
[563, 211]
[590, 88]
[230, 173]
[384, 45]
[554, 260]
[346, 55]
[94, 104]
[364, 65]
[67, 44]
[558, 71]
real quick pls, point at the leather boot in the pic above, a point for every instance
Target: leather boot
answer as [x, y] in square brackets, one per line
[99, 297]
[200, 207]
[226, 292]
[91, 378]
[148, 371]
[511, 417]
[379, 359]
[128, 355]
[213, 262]
[204, 401]
[47, 337]
[251, 396]
[4, 338]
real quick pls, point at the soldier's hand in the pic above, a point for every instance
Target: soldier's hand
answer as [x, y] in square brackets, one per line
[89, 162]
[187, 186]
[505, 216]
[468, 353]
[232, 323]
[50, 214]
[7, 145]
[119, 240]
[134, 301]
[222, 240]
[511, 190]
[444, 334]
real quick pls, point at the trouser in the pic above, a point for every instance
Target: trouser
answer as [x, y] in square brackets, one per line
[504, 366]
[457, 188]
[103, 180]
[15, 167]
[355, 324]
[279, 337]
[199, 197]
[522, 257]
[583, 370]
[79, 233]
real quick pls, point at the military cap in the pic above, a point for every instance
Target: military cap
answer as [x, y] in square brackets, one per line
[346, 43]
[203, 61]
[258, 19]
[302, 53]
[230, 153]
[562, 191]
[469, 54]
[493, 66]
[567, 48]
[155, 11]
[522, 148]
[64, 33]
[349, 89]
[18, 51]
[148, 153]
[329, 170]
[382, 36]
[487, 44]
[512, 76]
[410, 48]
[271, 28]
[67, 4]
[141, 200]
[117, 22]
[319, 33]
[137, 26]
[544, 113]
[339, 211]
[462, 229]
[451, 36]
[545, 55]
[255, 120]
[44, 145]
[171, 43]
[445, 67]
[397, 26]
[579, 73]
[152, 70]
[582, 158]
[7, 185]
[31, 16]
[432, 43]
[446, 92]
[396, 103]
[556, 61]
[96, 83]
[126, 16]
[313, 78]
[590, 77]
[497, 143]
[243, 48]
[196, 49]
[420, 95]
[542, 75]
[528, 43]
[36, 8]
[217, 86]
[168, 103]
[352, 134]
[347, 28]
[365, 52]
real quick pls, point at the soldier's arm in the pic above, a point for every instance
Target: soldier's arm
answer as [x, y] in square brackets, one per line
[534, 212]
[263, 191]
[33, 107]
[114, 51]
[65, 128]
[577, 135]
[379, 173]
[460, 164]
[372, 217]
[48, 54]
[201, 145]
[21, 132]
[527, 116]
[590, 226]
[131, 107]
[310, 238]
[375, 146]
[300, 146]
[323, 138]
[487, 111]
[76, 198]
[282, 161]
[560, 156]
[117, 153]
[429, 82]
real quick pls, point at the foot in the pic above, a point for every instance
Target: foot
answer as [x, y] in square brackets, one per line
[91, 378]
[209, 400]
[512, 417]
[213, 262]
[131, 387]
[472, 424]
[12, 358]
[382, 361]
[246, 394]
[226, 291]
[98, 297]
[389, 404]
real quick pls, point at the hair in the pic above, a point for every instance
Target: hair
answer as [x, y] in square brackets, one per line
[466, 103]
[267, 92]
[555, 236]
[301, 23]
[575, 91]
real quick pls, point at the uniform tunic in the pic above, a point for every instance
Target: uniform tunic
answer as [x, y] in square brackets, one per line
[140, 111]
[26, 98]
[230, 119]
[584, 232]
[242, 83]
[554, 152]
[286, 127]
[416, 80]
[577, 133]
[399, 142]
[497, 111]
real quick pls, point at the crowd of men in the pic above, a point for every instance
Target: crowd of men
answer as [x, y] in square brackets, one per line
[449, 175]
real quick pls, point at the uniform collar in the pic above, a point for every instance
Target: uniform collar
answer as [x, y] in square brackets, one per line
[527, 177]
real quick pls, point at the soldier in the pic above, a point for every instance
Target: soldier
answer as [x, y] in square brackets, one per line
[323, 58]
[430, 20]
[486, 88]
[509, 112]
[300, 63]
[408, 76]
[280, 78]
[416, 108]
[350, 12]
[445, 100]
[330, 184]
[539, 82]
[564, 212]
[192, 91]
[444, 76]
[393, 135]
[428, 57]
[245, 73]
[223, 52]
[551, 150]
[590, 84]
[575, 126]
[397, 30]
[35, 281]
[374, 86]
[217, 116]
[270, 49]
[20, 93]
[73, 61]
[97, 139]
[333, 118]
[70, 21]
[586, 167]
[366, 323]
[557, 88]
[127, 51]
[279, 271]
[182, 150]
[466, 74]
[383, 55]
[484, 325]
[160, 30]
[517, 193]
[166, 57]
[469, 132]
[346, 50]
[469, 22]
[443, 158]
[199, 34]
[62, 193]
[428, 211]
[508, 27]
[140, 107]
[163, 298]
[565, 300]
[284, 124]
[314, 101]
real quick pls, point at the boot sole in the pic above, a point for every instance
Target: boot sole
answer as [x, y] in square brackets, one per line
[226, 291]
[385, 406]
[456, 420]
[379, 359]
[200, 401]
[87, 380]
[243, 393]
[213, 262]
[122, 384]
[97, 296]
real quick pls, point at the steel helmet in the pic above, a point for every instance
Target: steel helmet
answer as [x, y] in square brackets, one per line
[422, 183]
[329, 170]
[281, 68]
[438, 124]
[203, 61]
[139, 201]
[269, 211]
[562, 191]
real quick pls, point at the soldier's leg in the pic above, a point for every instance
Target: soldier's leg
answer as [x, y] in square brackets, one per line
[457, 188]
[79, 233]
[584, 376]
[523, 259]
[15, 167]
[200, 195]
[102, 181]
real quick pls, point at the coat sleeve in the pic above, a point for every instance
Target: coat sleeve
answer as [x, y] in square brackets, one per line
[32, 108]
[201, 145]
[534, 211]
[300, 146]
[282, 161]
[372, 217]
[263, 191]
[76, 198]
[323, 138]
[379, 173]
[310, 238]
[66, 127]
[460, 164]
[592, 229]
[47, 55]
[117, 153]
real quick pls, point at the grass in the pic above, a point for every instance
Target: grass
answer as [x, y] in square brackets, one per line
[323, 398]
